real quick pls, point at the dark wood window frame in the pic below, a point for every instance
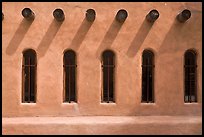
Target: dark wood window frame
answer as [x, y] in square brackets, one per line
[147, 76]
[190, 76]
[70, 70]
[108, 77]
[29, 73]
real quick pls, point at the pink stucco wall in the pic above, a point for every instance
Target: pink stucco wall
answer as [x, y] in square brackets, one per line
[167, 38]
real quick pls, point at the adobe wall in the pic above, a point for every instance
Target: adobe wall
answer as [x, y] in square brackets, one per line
[166, 37]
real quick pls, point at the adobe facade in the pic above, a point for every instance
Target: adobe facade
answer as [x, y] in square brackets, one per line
[166, 37]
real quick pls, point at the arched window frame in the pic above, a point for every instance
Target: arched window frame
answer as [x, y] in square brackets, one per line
[148, 96]
[29, 76]
[110, 96]
[67, 94]
[188, 95]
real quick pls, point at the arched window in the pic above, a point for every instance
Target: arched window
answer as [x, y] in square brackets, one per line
[29, 76]
[147, 76]
[108, 65]
[70, 76]
[190, 76]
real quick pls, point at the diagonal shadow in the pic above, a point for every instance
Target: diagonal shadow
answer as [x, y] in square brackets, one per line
[80, 35]
[139, 38]
[109, 37]
[48, 37]
[173, 38]
[18, 36]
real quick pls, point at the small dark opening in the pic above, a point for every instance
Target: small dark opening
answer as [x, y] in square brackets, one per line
[190, 77]
[29, 76]
[147, 76]
[186, 14]
[108, 65]
[70, 76]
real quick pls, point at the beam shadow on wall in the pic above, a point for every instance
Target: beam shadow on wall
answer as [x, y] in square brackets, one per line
[18, 36]
[109, 37]
[139, 38]
[178, 34]
[80, 34]
[48, 38]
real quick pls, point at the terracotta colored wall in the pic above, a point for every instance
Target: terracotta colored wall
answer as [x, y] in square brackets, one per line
[167, 38]
[108, 125]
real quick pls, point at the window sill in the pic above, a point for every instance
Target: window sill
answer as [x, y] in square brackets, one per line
[105, 103]
[27, 104]
[67, 103]
[144, 103]
[194, 103]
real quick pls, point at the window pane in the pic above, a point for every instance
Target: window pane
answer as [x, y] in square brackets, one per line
[108, 76]
[70, 75]
[29, 76]
[147, 76]
[190, 76]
